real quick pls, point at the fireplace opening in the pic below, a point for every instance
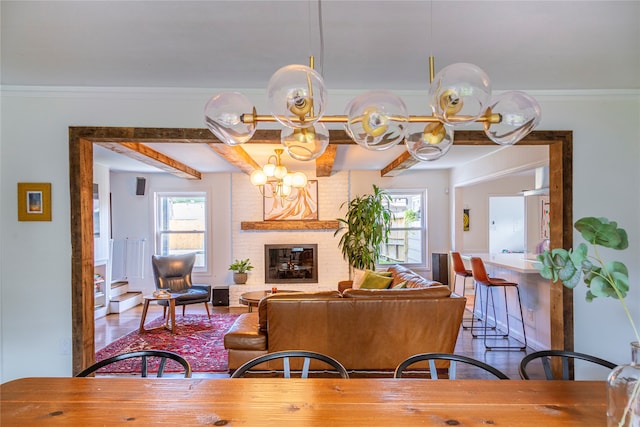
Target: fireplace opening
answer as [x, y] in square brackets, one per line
[295, 263]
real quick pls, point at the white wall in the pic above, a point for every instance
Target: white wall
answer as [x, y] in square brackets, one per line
[35, 257]
[133, 218]
[476, 198]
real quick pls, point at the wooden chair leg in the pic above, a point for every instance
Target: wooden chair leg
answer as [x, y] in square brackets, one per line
[206, 305]
[164, 312]
[183, 307]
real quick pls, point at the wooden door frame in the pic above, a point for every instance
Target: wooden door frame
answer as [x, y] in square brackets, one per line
[81, 140]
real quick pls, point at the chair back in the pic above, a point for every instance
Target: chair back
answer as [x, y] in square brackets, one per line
[453, 359]
[173, 272]
[458, 264]
[567, 358]
[285, 356]
[479, 271]
[162, 355]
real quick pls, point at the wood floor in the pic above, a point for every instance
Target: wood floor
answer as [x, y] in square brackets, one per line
[113, 326]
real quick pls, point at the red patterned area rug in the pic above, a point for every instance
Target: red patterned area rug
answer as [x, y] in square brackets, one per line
[198, 339]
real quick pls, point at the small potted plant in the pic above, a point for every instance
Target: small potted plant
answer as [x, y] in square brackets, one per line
[240, 268]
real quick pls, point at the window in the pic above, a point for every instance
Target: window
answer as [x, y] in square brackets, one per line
[407, 239]
[181, 225]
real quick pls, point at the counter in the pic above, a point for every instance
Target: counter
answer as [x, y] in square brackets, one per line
[522, 263]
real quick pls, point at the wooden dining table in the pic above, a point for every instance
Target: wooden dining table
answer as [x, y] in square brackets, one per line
[301, 402]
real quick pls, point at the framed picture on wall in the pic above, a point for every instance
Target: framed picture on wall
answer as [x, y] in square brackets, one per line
[302, 204]
[34, 201]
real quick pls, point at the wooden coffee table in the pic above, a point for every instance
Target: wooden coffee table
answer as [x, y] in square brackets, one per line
[172, 312]
[252, 299]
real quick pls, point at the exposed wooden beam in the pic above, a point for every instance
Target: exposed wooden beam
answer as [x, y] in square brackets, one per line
[237, 156]
[399, 165]
[149, 156]
[324, 163]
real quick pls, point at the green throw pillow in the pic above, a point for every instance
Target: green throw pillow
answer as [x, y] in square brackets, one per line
[399, 285]
[375, 281]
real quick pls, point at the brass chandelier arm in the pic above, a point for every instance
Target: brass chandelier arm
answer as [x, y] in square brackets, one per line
[490, 118]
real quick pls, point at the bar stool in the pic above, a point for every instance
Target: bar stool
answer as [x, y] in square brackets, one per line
[459, 270]
[482, 280]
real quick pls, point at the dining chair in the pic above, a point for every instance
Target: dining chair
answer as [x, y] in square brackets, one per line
[286, 357]
[453, 359]
[144, 355]
[546, 356]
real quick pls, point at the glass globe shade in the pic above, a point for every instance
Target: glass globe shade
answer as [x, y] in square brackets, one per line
[223, 116]
[288, 180]
[459, 94]
[258, 177]
[269, 169]
[307, 143]
[285, 190]
[299, 180]
[296, 96]
[280, 172]
[430, 143]
[520, 114]
[377, 120]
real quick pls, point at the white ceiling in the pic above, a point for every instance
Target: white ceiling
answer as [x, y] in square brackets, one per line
[524, 45]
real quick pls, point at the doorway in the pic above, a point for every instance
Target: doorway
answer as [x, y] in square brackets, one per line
[506, 224]
[81, 140]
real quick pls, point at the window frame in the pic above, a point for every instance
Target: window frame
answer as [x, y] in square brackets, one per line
[158, 233]
[422, 228]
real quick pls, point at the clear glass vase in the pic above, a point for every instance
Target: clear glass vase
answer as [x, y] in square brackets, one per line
[623, 389]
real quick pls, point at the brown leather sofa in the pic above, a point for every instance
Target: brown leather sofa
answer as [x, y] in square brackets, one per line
[366, 330]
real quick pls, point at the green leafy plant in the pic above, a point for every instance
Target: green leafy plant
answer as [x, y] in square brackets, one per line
[603, 279]
[241, 266]
[366, 227]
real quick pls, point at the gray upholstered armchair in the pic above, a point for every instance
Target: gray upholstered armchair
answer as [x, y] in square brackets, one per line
[173, 273]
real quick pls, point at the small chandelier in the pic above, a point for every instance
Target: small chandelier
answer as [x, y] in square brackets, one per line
[276, 174]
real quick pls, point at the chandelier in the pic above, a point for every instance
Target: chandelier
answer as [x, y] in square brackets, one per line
[459, 95]
[275, 174]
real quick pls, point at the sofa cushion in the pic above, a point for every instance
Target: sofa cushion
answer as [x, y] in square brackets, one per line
[436, 291]
[262, 305]
[358, 277]
[400, 285]
[373, 280]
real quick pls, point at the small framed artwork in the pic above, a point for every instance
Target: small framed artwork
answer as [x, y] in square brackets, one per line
[34, 201]
[302, 204]
[465, 219]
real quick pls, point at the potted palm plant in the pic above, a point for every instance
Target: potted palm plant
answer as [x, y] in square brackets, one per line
[365, 228]
[603, 279]
[240, 269]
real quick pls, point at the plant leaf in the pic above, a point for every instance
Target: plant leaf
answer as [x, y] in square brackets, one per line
[601, 231]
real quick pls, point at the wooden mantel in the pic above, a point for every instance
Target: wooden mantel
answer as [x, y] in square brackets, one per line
[290, 225]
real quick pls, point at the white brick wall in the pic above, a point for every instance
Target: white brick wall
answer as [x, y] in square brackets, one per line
[247, 205]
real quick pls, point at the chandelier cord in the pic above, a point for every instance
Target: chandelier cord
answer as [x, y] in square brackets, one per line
[321, 33]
